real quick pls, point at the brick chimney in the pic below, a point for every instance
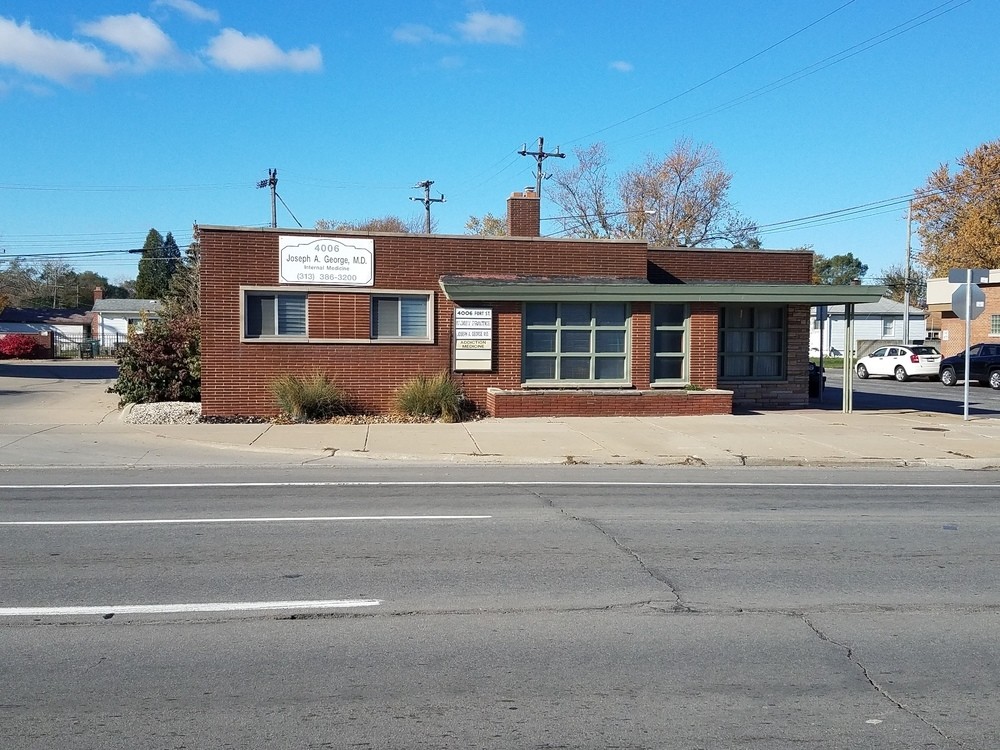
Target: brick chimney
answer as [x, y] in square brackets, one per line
[524, 214]
[95, 318]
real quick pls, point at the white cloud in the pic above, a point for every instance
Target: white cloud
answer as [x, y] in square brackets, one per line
[451, 62]
[39, 54]
[489, 28]
[233, 50]
[190, 9]
[415, 33]
[137, 35]
[621, 66]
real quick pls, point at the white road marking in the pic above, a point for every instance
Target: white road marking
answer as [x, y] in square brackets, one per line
[158, 609]
[223, 485]
[261, 519]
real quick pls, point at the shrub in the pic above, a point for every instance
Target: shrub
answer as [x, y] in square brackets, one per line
[18, 346]
[162, 363]
[312, 397]
[435, 396]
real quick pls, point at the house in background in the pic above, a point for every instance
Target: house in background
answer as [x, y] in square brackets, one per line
[875, 324]
[950, 328]
[114, 318]
[59, 329]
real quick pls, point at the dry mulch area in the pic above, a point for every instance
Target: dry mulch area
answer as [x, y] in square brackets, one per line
[346, 419]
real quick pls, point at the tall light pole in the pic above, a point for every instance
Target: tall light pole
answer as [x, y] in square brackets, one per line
[906, 278]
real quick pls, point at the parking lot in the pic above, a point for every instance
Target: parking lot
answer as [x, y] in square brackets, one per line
[919, 395]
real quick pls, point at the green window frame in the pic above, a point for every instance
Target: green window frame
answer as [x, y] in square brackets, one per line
[274, 315]
[753, 342]
[670, 345]
[576, 342]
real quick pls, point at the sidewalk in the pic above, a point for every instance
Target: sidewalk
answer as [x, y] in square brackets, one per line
[801, 438]
[72, 421]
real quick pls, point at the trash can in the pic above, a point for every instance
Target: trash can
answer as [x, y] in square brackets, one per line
[90, 348]
[816, 380]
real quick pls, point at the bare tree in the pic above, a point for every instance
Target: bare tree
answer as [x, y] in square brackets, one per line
[681, 199]
[488, 225]
[378, 224]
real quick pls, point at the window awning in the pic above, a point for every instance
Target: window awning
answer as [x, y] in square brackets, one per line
[513, 289]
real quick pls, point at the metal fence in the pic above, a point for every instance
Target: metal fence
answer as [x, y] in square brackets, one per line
[69, 346]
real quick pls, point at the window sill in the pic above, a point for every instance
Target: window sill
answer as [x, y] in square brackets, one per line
[307, 340]
[550, 385]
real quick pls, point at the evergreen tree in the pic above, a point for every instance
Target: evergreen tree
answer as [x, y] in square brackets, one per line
[172, 256]
[185, 285]
[839, 269]
[153, 279]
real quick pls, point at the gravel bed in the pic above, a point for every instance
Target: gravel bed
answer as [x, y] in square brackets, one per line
[164, 412]
[185, 412]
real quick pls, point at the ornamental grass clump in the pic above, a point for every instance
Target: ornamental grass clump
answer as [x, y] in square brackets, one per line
[312, 397]
[435, 396]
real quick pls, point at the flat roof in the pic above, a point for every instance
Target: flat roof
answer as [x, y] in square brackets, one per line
[481, 289]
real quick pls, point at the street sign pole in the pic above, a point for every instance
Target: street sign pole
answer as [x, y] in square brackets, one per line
[968, 301]
[968, 329]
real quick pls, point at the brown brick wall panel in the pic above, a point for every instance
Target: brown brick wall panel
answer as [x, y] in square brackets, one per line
[979, 329]
[509, 404]
[766, 267]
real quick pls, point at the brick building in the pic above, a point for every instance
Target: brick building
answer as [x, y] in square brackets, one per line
[529, 326]
[949, 327]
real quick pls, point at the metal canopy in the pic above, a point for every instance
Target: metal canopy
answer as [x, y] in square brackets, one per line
[483, 289]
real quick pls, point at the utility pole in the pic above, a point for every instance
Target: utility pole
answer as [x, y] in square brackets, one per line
[540, 156]
[427, 201]
[906, 279]
[272, 182]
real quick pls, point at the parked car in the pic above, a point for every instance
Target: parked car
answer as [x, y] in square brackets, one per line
[984, 366]
[900, 362]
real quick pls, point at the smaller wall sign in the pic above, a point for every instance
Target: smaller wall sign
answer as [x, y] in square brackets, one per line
[337, 261]
[473, 339]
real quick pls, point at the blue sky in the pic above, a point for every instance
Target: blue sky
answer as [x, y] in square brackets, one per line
[118, 116]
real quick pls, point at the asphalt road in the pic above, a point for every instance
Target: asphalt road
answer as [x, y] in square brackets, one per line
[574, 607]
[917, 394]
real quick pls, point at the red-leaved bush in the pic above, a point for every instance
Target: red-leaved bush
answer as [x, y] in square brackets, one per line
[18, 346]
[162, 363]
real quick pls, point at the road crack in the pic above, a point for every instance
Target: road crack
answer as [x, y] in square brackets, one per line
[849, 652]
[679, 604]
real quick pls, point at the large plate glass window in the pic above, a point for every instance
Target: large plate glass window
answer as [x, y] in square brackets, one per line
[399, 317]
[576, 341]
[274, 314]
[670, 343]
[752, 342]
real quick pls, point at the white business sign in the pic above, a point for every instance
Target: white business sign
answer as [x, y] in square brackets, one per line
[473, 338]
[338, 261]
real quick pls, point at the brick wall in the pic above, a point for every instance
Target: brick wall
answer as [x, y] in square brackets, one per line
[603, 403]
[680, 265]
[979, 329]
[236, 375]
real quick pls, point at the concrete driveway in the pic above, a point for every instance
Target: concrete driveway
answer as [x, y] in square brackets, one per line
[57, 392]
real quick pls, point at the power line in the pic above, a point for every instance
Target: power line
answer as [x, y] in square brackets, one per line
[816, 67]
[717, 75]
